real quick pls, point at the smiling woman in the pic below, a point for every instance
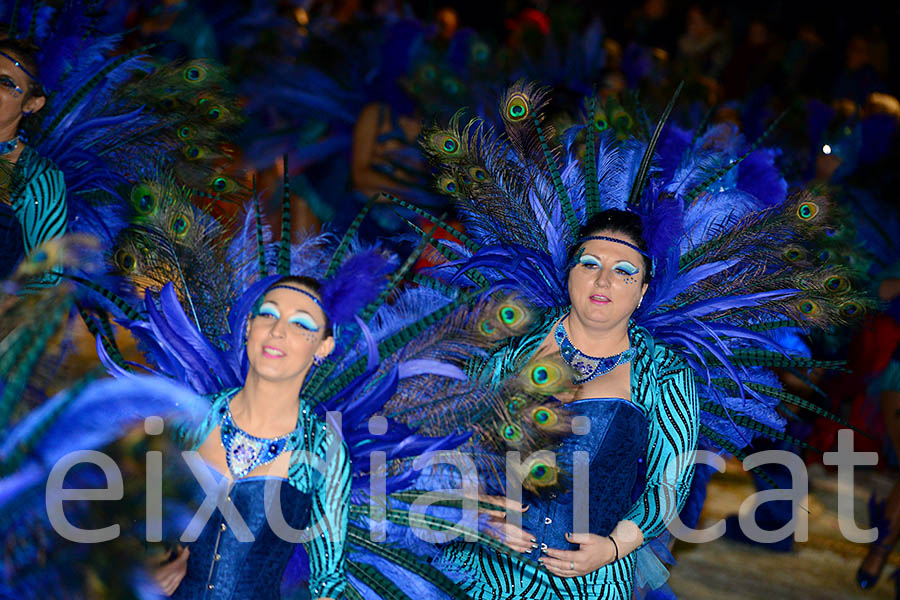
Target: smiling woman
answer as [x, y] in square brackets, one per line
[265, 432]
[33, 198]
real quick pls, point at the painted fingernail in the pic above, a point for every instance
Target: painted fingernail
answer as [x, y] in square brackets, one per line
[528, 551]
[533, 540]
[534, 545]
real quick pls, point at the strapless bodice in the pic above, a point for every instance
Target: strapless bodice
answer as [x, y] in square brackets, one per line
[603, 464]
[222, 566]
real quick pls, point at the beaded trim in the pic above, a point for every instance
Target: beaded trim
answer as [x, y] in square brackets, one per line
[302, 291]
[244, 452]
[587, 367]
[8, 146]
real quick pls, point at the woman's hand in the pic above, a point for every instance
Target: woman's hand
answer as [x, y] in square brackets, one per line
[506, 533]
[168, 576]
[594, 551]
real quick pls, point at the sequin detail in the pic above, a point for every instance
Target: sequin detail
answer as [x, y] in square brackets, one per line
[587, 367]
[244, 452]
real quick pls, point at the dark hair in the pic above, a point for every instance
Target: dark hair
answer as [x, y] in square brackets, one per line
[26, 53]
[622, 222]
[310, 284]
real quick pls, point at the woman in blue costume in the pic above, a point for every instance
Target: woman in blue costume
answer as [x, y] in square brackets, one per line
[642, 409]
[265, 431]
[36, 208]
[578, 238]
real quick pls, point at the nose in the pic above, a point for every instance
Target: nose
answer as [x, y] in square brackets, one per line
[603, 278]
[278, 328]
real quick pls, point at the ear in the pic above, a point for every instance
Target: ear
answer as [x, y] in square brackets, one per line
[644, 289]
[34, 104]
[326, 347]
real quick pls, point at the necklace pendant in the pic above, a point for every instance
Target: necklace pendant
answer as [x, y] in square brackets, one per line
[243, 455]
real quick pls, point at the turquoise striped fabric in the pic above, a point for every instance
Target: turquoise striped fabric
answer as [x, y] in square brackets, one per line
[662, 385]
[39, 201]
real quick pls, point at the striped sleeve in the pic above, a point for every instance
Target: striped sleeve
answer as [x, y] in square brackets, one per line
[673, 429]
[330, 511]
[44, 214]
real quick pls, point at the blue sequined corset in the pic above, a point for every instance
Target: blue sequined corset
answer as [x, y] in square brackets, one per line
[614, 450]
[221, 567]
[12, 244]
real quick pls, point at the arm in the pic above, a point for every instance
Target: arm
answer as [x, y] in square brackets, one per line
[674, 423]
[330, 508]
[44, 216]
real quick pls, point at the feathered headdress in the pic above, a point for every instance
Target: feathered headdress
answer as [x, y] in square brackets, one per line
[733, 255]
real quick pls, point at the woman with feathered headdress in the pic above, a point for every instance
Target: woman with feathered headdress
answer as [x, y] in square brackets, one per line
[33, 207]
[661, 363]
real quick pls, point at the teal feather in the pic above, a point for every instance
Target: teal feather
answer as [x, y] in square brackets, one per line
[112, 297]
[338, 256]
[21, 350]
[260, 241]
[397, 277]
[640, 180]
[725, 444]
[284, 248]
[407, 560]
[754, 425]
[553, 170]
[466, 240]
[374, 580]
[592, 185]
[723, 170]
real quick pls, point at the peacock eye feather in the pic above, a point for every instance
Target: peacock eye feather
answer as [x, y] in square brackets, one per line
[186, 132]
[621, 120]
[511, 433]
[794, 253]
[515, 404]
[544, 374]
[195, 74]
[544, 417]
[144, 200]
[179, 225]
[222, 184]
[445, 144]
[510, 314]
[517, 107]
[542, 475]
[487, 327]
[194, 152]
[809, 308]
[478, 174]
[851, 308]
[837, 283]
[126, 261]
[807, 210]
[447, 184]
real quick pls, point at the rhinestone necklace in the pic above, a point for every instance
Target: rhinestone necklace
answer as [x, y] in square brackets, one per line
[587, 367]
[244, 452]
